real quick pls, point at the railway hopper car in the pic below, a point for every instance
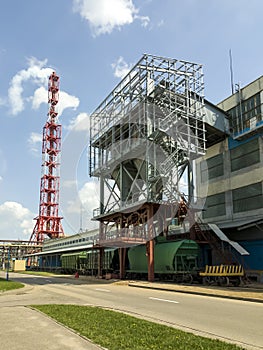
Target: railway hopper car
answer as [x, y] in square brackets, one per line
[87, 262]
[73, 262]
[173, 260]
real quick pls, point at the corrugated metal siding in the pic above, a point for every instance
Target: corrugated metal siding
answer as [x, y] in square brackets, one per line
[247, 198]
[212, 167]
[215, 205]
[245, 155]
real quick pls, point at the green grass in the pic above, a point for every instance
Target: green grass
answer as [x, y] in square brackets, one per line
[9, 285]
[117, 331]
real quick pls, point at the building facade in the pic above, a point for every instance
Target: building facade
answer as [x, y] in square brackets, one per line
[230, 175]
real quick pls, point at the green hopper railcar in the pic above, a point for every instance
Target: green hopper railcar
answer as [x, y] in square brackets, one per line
[173, 260]
[87, 262]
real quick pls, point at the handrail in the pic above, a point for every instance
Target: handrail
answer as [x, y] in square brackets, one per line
[223, 270]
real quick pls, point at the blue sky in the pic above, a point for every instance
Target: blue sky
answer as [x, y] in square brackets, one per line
[91, 44]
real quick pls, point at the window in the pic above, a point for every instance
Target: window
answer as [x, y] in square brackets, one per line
[215, 206]
[245, 155]
[248, 198]
[212, 167]
[244, 112]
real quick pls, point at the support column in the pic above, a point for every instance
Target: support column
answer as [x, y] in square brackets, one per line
[122, 256]
[101, 194]
[190, 176]
[100, 262]
[150, 244]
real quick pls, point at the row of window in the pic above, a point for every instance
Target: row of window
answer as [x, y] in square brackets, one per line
[241, 157]
[241, 114]
[244, 199]
[245, 155]
[53, 245]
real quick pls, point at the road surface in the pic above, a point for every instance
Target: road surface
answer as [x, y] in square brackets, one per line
[229, 320]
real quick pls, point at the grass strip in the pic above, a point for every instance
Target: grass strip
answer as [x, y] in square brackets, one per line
[9, 285]
[117, 331]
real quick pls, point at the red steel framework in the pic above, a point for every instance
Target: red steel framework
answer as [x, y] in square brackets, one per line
[48, 222]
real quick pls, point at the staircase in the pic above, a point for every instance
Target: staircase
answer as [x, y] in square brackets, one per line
[203, 234]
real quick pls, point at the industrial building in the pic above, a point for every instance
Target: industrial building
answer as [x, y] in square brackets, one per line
[154, 129]
[230, 174]
[143, 138]
[173, 166]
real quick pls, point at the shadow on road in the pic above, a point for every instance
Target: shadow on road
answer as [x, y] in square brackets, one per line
[59, 279]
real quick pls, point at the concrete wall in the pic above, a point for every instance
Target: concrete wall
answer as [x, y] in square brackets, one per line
[230, 181]
[247, 92]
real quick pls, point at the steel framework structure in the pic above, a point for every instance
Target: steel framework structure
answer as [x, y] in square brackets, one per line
[143, 137]
[48, 222]
[16, 249]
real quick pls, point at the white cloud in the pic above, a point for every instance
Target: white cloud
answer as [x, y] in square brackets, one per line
[36, 74]
[68, 183]
[16, 221]
[160, 23]
[35, 137]
[121, 68]
[145, 20]
[66, 101]
[1, 178]
[34, 142]
[82, 203]
[89, 195]
[40, 96]
[80, 123]
[104, 15]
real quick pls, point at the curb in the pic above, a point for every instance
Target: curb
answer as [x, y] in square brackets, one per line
[18, 291]
[66, 327]
[214, 295]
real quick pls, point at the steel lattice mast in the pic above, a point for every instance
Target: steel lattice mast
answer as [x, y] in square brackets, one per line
[48, 222]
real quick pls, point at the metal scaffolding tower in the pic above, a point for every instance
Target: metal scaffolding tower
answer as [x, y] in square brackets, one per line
[48, 222]
[143, 139]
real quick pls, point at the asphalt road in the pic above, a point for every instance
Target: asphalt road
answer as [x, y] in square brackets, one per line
[229, 320]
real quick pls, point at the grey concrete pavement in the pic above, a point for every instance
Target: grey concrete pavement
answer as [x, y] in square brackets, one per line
[24, 328]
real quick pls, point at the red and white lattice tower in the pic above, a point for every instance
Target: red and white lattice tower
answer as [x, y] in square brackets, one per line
[48, 221]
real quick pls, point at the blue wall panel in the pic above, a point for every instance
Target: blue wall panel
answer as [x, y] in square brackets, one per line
[255, 260]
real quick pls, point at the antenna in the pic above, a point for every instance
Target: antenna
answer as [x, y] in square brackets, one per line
[231, 71]
[48, 221]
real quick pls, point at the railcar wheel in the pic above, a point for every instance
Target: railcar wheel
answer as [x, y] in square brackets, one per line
[188, 278]
[223, 281]
[177, 278]
[237, 281]
[206, 280]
